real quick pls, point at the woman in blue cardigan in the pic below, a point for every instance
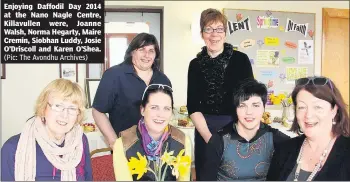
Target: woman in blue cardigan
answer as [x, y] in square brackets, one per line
[323, 151]
[52, 146]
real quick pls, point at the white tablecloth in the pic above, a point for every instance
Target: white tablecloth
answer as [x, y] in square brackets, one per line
[96, 141]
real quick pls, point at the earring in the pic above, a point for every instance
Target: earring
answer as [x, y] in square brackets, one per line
[333, 122]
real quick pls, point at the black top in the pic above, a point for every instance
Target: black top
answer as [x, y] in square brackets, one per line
[215, 147]
[336, 167]
[212, 81]
[303, 175]
[119, 94]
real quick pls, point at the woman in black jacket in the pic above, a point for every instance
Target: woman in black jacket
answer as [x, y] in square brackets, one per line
[212, 77]
[323, 151]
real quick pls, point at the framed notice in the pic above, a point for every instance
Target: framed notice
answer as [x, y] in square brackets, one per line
[69, 71]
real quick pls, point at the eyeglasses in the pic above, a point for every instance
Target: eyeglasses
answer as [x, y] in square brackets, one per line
[156, 86]
[320, 81]
[59, 108]
[211, 30]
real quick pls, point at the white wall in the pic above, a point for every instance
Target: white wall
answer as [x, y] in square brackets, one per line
[24, 82]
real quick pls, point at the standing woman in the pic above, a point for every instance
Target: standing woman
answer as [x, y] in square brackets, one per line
[213, 76]
[121, 87]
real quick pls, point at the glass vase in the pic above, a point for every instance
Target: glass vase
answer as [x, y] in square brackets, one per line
[288, 115]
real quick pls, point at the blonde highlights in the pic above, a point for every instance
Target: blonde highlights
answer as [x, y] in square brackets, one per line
[65, 90]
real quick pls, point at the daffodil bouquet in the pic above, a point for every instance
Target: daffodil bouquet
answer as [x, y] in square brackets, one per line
[282, 99]
[180, 165]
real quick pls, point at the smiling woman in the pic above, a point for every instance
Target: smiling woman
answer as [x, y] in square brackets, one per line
[213, 75]
[52, 144]
[153, 137]
[322, 151]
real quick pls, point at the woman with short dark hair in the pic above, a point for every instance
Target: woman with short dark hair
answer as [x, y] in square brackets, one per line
[213, 76]
[243, 150]
[322, 152]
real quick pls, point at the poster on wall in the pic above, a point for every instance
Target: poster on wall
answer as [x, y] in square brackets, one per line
[305, 52]
[294, 73]
[267, 58]
[280, 44]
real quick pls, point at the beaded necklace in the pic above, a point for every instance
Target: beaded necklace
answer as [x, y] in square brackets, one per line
[318, 165]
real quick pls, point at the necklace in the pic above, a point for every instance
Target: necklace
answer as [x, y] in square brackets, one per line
[318, 165]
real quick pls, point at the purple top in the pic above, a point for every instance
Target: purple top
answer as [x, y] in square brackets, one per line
[45, 171]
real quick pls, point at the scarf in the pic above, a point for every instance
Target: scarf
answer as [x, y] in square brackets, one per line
[213, 70]
[25, 157]
[150, 146]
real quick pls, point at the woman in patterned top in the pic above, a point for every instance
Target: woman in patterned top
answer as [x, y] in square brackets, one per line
[243, 150]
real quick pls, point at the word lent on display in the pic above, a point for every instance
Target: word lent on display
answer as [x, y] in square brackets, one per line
[52, 32]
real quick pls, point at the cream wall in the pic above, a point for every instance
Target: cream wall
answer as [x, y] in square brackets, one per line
[24, 81]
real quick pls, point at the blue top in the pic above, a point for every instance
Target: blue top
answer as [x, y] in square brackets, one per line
[229, 156]
[245, 160]
[119, 94]
[45, 171]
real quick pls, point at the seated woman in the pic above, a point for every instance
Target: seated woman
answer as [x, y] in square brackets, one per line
[322, 153]
[52, 146]
[152, 137]
[243, 150]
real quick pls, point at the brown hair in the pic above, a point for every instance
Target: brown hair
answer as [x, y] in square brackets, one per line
[210, 16]
[66, 90]
[331, 95]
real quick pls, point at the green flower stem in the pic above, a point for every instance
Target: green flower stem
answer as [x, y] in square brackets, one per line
[159, 169]
[166, 168]
[153, 173]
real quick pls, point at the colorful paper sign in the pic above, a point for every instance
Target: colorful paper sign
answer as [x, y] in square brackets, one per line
[311, 33]
[242, 25]
[294, 73]
[260, 43]
[239, 17]
[268, 13]
[295, 27]
[288, 60]
[272, 41]
[305, 52]
[267, 58]
[267, 22]
[247, 43]
[281, 28]
[283, 52]
[267, 77]
[282, 77]
[290, 44]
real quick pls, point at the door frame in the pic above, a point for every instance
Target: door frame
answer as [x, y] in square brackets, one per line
[150, 9]
[330, 13]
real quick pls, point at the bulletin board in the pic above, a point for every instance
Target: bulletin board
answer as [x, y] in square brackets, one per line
[280, 45]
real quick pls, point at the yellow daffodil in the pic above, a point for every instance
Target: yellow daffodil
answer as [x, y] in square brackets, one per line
[276, 101]
[181, 164]
[138, 166]
[167, 157]
[290, 101]
[281, 96]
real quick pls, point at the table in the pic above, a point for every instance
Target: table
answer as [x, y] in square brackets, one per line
[96, 141]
